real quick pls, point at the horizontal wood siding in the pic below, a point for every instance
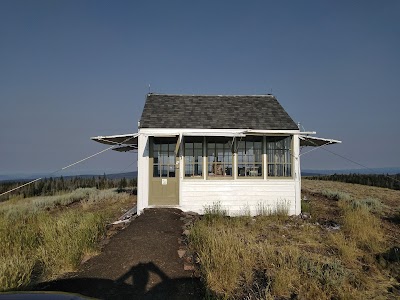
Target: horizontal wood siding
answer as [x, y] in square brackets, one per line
[236, 196]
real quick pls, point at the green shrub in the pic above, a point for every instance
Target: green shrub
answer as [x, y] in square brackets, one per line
[370, 204]
[214, 212]
[336, 195]
[305, 206]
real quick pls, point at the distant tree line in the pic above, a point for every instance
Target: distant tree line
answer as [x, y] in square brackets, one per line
[379, 180]
[52, 186]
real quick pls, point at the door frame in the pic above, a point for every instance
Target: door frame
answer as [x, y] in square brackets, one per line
[164, 191]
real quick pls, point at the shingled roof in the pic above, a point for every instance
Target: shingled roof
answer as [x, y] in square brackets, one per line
[262, 112]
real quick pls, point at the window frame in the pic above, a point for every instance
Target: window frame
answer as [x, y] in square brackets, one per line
[193, 140]
[229, 149]
[234, 163]
[171, 145]
[249, 139]
[287, 156]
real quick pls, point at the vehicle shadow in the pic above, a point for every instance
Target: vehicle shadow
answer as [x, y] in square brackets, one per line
[131, 285]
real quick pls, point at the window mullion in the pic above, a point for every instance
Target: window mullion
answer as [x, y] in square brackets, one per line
[264, 156]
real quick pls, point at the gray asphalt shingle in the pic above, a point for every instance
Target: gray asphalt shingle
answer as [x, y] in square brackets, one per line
[262, 112]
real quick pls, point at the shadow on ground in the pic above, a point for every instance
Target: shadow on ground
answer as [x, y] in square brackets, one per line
[132, 285]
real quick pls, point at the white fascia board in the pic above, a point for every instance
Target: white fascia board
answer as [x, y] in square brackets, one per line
[165, 132]
[272, 132]
[216, 133]
[307, 132]
[116, 136]
[210, 132]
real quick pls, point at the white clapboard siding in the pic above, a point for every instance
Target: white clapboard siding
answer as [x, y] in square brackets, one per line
[238, 197]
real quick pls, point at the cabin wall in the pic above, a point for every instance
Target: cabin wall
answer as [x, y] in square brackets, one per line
[297, 173]
[143, 173]
[239, 196]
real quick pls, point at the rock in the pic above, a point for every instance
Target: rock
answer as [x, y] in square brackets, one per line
[85, 258]
[191, 213]
[188, 267]
[188, 224]
[186, 232]
[196, 259]
[305, 216]
[181, 252]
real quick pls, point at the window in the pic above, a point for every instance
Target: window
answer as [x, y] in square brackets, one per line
[193, 153]
[164, 157]
[219, 157]
[249, 157]
[279, 156]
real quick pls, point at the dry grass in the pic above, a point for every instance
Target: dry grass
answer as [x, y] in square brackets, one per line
[389, 198]
[40, 242]
[363, 227]
[280, 257]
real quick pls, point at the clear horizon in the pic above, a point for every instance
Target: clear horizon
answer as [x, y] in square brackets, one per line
[71, 70]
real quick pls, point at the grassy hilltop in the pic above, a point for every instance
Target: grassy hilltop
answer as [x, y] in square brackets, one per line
[345, 247]
[43, 237]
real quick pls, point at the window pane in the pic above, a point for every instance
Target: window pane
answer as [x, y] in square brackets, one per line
[219, 156]
[156, 172]
[171, 171]
[188, 170]
[199, 170]
[279, 170]
[250, 156]
[164, 171]
[259, 169]
[241, 170]
[187, 159]
[228, 170]
[279, 156]
[210, 169]
[199, 159]
[193, 150]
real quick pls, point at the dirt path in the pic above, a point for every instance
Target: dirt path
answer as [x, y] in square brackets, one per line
[140, 262]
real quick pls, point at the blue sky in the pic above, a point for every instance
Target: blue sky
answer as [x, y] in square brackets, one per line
[74, 69]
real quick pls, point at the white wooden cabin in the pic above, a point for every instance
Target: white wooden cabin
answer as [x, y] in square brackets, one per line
[195, 151]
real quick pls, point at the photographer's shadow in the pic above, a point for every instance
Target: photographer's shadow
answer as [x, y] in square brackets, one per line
[131, 285]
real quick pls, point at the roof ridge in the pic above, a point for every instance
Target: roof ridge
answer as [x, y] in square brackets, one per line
[212, 95]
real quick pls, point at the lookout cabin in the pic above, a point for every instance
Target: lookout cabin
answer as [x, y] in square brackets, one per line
[241, 153]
